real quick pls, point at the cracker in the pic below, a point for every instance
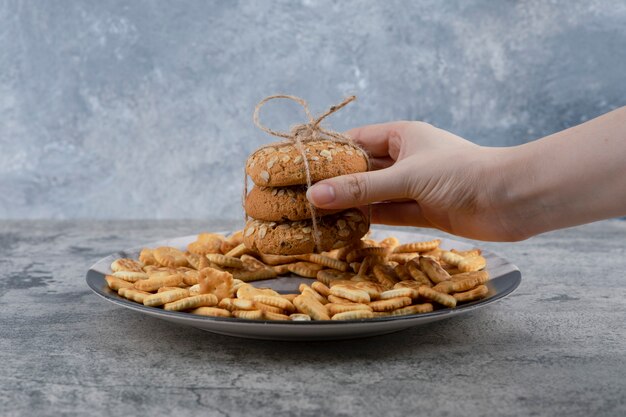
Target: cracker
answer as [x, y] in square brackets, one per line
[350, 293]
[386, 276]
[247, 291]
[163, 289]
[266, 307]
[206, 246]
[441, 298]
[418, 246]
[477, 293]
[275, 301]
[232, 242]
[360, 253]
[333, 308]
[196, 261]
[251, 263]
[466, 253]
[327, 276]
[161, 298]
[483, 276]
[306, 290]
[353, 315]
[154, 283]
[169, 256]
[268, 315]
[324, 261]
[399, 292]
[130, 276]
[257, 275]
[372, 288]
[194, 289]
[278, 259]
[225, 261]
[305, 269]
[451, 258]
[321, 288]
[281, 269]
[248, 314]
[389, 242]
[339, 300]
[115, 283]
[202, 300]
[211, 312]
[146, 257]
[125, 264]
[461, 285]
[299, 317]
[402, 258]
[237, 251]
[312, 307]
[433, 269]
[472, 263]
[414, 309]
[417, 274]
[402, 272]
[133, 294]
[232, 304]
[215, 282]
[408, 284]
[390, 304]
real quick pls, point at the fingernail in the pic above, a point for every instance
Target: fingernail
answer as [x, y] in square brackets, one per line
[321, 194]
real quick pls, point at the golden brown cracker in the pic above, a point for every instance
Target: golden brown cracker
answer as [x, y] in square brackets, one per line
[441, 298]
[154, 283]
[116, 283]
[215, 282]
[390, 304]
[312, 307]
[161, 298]
[202, 300]
[126, 264]
[353, 315]
[211, 312]
[418, 246]
[477, 293]
[170, 257]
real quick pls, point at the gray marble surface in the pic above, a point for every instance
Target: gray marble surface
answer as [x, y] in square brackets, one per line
[555, 347]
[123, 109]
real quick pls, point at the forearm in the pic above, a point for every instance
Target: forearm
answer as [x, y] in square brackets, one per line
[571, 177]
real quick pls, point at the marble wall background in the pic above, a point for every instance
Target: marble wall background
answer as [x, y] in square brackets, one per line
[142, 109]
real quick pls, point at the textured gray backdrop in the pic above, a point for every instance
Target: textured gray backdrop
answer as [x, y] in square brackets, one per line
[142, 109]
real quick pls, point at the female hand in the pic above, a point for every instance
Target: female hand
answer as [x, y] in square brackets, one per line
[422, 176]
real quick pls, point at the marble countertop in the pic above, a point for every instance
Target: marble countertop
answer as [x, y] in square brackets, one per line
[556, 346]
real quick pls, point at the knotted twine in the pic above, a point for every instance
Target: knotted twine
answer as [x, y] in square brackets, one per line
[303, 133]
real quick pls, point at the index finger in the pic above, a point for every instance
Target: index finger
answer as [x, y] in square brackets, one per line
[376, 138]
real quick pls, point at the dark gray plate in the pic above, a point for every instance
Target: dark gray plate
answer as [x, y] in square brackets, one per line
[505, 278]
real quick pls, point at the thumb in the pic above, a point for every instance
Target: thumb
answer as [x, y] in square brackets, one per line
[358, 189]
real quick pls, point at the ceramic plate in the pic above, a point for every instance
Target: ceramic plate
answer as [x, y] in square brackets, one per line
[505, 277]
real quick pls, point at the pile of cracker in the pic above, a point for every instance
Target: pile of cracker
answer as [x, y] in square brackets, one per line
[281, 216]
[367, 279]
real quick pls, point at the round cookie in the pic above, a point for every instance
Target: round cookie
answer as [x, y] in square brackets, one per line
[294, 238]
[281, 204]
[282, 165]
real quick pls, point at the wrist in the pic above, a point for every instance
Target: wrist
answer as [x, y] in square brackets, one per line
[514, 194]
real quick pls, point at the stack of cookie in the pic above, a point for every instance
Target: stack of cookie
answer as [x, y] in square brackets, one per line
[281, 217]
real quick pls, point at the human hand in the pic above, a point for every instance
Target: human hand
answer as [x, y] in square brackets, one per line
[426, 177]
